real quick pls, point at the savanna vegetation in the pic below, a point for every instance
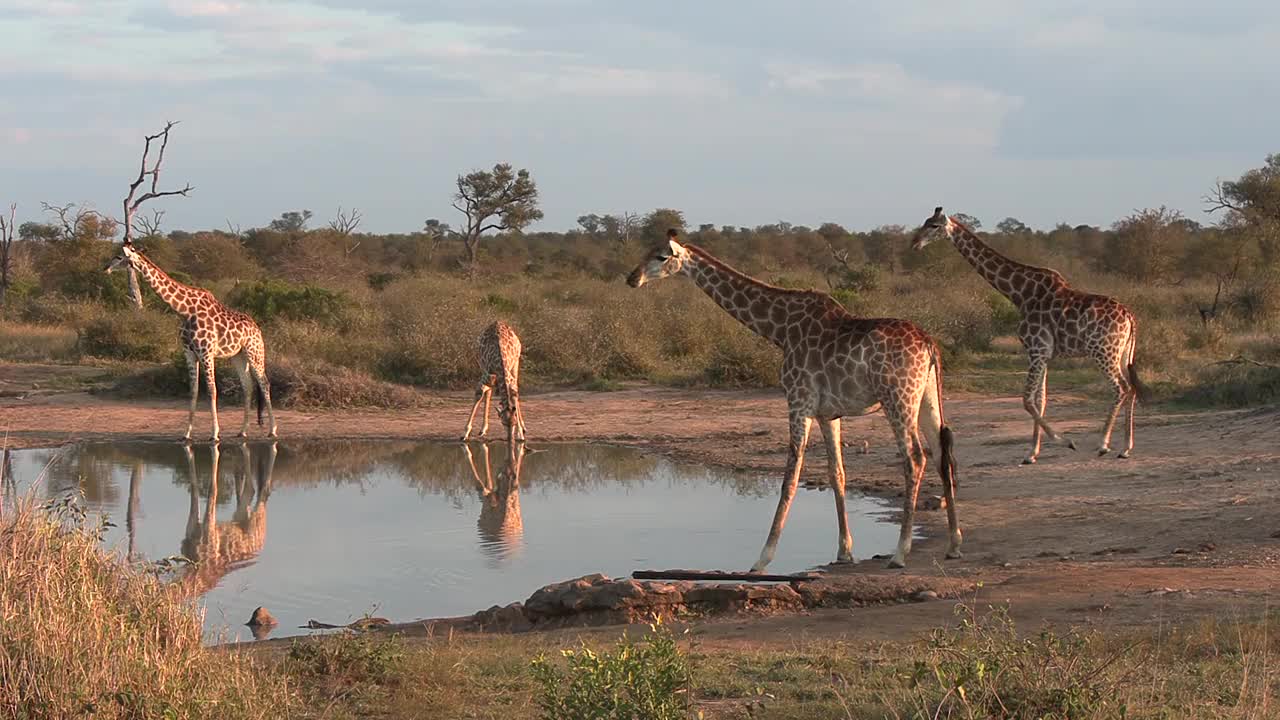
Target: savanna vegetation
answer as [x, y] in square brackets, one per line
[352, 318]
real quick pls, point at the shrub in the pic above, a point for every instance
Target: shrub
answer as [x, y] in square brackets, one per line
[268, 300]
[649, 680]
[86, 635]
[130, 334]
[984, 669]
[1005, 316]
[349, 657]
[741, 359]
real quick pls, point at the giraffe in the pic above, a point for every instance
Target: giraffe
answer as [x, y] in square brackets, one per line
[1057, 321]
[210, 330]
[499, 369]
[500, 524]
[833, 365]
[216, 548]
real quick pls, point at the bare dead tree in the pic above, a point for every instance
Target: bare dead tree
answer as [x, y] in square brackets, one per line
[841, 258]
[1218, 199]
[150, 226]
[1225, 280]
[628, 222]
[346, 223]
[7, 231]
[132, 203]
[70, 217]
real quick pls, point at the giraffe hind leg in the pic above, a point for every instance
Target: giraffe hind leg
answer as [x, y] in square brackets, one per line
[913, 460]
[835, 473]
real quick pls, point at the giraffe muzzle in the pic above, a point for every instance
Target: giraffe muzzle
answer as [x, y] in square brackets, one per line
[636, 278]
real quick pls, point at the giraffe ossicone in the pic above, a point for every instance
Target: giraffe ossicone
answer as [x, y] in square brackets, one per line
[210, 331]
[1057, 321]
[834, 365]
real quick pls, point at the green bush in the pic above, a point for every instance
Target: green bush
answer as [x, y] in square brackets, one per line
[348, 657]
[741, 359]
[130, 334]
[268, 300]
[649, 680]
[1004, 314]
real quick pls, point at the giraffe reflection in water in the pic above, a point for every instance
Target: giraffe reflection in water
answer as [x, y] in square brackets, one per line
[500, 526]
[217, 548]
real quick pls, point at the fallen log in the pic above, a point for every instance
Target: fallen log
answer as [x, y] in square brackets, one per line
[722, 575]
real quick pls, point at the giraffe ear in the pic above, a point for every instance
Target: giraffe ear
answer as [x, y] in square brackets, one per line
[937, 212]
[673, 245]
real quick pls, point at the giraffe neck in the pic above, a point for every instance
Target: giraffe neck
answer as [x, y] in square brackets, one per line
[748, 300]
[178, 296]
[995, 268]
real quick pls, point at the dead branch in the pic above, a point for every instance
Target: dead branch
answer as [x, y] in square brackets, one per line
[1217, 200]
[70, 217]
[346, 223]
[7, 231]
[1242, 360]
[150, 226]
[131, 204]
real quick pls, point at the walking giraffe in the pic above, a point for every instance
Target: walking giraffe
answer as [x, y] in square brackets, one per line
[500, 370]
[1057, 321]
[210, 330]
[833, 365]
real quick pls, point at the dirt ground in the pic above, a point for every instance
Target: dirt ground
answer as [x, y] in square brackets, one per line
[1188, 526]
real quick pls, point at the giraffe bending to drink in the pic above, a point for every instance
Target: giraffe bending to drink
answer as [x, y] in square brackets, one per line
[499, 370]
[1057, 321]
[210, 330]
[833, 365]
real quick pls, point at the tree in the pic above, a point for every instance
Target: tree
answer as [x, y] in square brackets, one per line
[132, 203]
[968, 221]
[7, 230]
[590, 224]
[1143, 246]
[655, 225]
[434, 232]
[345, 223]
[294, 221]
[495, 200]
[1252, 203]
[1012, 226]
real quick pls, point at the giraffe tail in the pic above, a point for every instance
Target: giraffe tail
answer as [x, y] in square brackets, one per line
[1132, 369]
[946, 438]
[257, 394]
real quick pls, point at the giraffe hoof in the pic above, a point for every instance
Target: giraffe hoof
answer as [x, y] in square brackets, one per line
[896, 564]
[954, 554]
[844, 559]
[1072, 444]
[1124, 455]
[1103, 450]
[1028, 461]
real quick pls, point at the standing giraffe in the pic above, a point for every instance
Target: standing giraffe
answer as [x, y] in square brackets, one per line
[833, 364]
[499, 369]
[210, 330]
[1057, 320]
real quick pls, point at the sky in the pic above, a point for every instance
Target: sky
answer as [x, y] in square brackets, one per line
[738, 112]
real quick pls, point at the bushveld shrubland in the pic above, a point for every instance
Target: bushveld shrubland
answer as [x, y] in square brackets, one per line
[83, 634]
[406, 309]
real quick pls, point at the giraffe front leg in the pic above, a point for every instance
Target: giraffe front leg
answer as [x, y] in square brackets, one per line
[246, 387]
[193, 372]
[212, 381]
[480, 394]
[488, 403]
[1128, 435]
[800, 425]
[1034, 397]
[835, 473]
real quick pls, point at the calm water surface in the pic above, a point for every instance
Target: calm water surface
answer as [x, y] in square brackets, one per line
[334, 530]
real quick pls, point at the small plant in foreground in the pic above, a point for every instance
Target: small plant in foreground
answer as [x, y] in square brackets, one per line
[349, 656]
[648, 680]
[984, 669]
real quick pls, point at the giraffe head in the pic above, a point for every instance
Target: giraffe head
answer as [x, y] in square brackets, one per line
[937, 225]
[667, 259]
[128, 255]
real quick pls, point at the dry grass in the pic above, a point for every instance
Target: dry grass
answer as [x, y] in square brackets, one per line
[27, 342]
[82, 634]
